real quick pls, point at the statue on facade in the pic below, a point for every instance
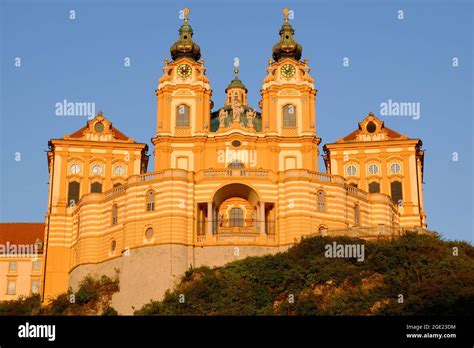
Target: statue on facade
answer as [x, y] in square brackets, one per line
[166, 71]
[251, 114]
[237, 110]
[270, 70]
[222, 116]
[201, 68]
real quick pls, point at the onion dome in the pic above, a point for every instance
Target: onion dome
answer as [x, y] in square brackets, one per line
[185, 46]
[287, 47]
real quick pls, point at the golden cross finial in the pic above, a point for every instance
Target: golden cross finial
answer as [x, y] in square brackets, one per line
[286, 13]
[186, 14]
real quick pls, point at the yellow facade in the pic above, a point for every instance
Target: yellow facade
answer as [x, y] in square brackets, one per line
[22, 279]
[21, 259]
[226, 183]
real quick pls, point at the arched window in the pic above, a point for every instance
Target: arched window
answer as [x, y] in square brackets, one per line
[351, 170]
[117, 184]
[96, 187]
[396, 189]
[322, 230]
[395, 168]
[236, 217]
[182, 116]
[374, 187]
[321, 200]
[289, 116]
[373, 169]
[73, 193]
[114, 214]
[150, 200]
[356, 215]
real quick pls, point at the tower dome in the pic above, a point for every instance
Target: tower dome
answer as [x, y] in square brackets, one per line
[236, 90]
[236, 82]
[287, 47]
[185, 46]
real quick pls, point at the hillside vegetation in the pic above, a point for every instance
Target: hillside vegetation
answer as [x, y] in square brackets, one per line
[412, 275]
[93, 297]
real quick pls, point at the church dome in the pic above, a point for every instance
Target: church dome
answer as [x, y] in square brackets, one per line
[287, 47]
[185, 46]
[236, 82]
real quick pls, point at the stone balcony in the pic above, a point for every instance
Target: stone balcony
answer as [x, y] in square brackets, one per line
[236, 231]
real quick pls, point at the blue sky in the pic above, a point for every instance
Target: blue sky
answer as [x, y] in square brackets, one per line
[407, 60]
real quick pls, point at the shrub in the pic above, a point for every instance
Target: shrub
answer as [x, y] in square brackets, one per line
[421, 267]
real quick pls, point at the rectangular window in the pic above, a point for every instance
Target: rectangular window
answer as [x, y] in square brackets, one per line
[397, 196]
[36, 265]
[182, 118]
[35, 286]
[96, 187]
[11, 287]
[289, 116]
[12, 266]
[73, 193]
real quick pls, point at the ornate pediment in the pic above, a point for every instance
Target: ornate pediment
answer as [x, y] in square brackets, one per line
[99, 129]
[372, 129]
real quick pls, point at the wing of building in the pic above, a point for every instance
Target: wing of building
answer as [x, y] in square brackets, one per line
[228, 181]
[21, 259]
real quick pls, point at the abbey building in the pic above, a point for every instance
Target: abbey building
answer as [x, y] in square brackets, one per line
[229, 181]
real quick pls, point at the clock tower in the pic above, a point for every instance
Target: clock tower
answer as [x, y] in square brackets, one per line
[288, 99]
[288, 93]
[183, 97]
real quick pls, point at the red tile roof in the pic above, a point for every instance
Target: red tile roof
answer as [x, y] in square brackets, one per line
[351, 136]
[21, 232]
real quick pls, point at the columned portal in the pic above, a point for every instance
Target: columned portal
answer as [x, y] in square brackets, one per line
[236, 212]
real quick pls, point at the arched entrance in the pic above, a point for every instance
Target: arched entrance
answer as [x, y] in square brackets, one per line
[235, 212]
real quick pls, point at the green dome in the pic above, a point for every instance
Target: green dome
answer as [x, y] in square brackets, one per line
[287, 47]
[236, 82]
[185, 46]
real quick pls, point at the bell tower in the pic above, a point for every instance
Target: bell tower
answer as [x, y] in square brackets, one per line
[288, 93]
[183, 93]
[183, 100]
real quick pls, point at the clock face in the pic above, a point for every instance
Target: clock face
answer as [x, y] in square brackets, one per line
[184, 70]
[288, 71]
[74, 168]
[119, 171]
[97, 169]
